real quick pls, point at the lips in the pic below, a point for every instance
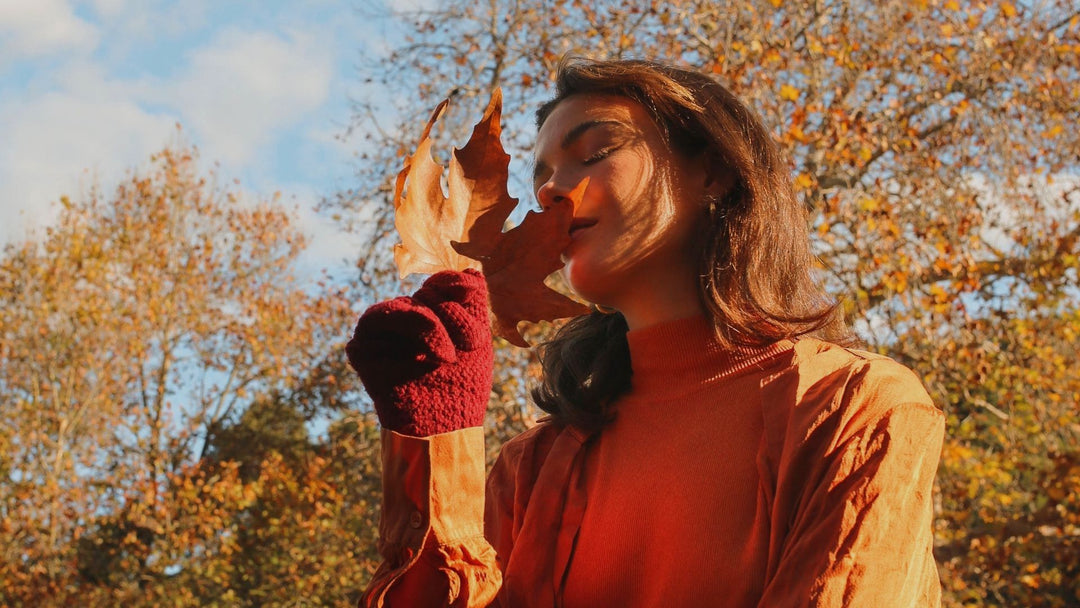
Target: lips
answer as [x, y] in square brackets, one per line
[580, 223]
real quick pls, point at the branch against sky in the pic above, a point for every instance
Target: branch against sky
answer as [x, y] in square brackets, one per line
[903, 139]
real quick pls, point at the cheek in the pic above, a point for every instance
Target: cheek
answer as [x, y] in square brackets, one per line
[681, 216]
[589, 271]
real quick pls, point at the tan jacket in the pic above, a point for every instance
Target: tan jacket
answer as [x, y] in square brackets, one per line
[845, 468]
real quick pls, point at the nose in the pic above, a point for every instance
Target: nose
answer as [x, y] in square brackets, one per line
[550, 193]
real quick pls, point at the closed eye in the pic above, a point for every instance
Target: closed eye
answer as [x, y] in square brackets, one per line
[599, 155]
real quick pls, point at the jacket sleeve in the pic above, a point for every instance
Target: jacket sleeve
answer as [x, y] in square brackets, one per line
[861, 532]
[431, 532]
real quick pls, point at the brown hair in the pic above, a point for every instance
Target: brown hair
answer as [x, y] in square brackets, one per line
[757, 279]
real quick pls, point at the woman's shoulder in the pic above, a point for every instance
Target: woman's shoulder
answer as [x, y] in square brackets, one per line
[523, 456]
[825, 384]
[817, 362]
[542, 434]
[536, 441]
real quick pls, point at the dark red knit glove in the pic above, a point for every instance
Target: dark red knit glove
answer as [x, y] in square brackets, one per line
[426, 360]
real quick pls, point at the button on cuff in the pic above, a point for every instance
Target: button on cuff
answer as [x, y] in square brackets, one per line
[416, 519]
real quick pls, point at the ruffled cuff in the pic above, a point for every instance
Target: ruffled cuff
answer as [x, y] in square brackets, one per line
[431, 534]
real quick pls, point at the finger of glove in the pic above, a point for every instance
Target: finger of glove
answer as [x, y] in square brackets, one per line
[460, 300]
[398, 334]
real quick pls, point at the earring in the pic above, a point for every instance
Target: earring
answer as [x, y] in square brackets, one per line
[712, 203]
[716, 208]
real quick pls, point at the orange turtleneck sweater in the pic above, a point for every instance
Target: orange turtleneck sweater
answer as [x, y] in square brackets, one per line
[671, 515]
[796, 475]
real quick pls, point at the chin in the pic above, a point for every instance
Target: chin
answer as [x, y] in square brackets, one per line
[588, 282]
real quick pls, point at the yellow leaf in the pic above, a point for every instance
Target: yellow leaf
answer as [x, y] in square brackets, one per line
[952, 5]
[1008, 9]
[789, 93]
[962, 452]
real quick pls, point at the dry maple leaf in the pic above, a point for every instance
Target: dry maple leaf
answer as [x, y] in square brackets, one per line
[463, 229]
[519, 262]
[476, 205]
[426, 220]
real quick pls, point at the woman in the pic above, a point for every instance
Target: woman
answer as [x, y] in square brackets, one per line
[706, 445]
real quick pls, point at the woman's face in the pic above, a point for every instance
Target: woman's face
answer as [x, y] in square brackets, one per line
[632, 231]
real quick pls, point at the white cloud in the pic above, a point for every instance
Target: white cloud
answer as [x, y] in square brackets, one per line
[234, 96]
[131, 23]
[61, 141]
[409, 6]
[111, 8]
[242, 88]
[102, 84]
[33, 28]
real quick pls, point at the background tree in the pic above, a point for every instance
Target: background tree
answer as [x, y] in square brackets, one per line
[933, 143]
[178, 424]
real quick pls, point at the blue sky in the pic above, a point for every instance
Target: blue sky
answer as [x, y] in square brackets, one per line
[91, 88]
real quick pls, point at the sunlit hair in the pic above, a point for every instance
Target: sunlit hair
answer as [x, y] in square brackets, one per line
[757, 276]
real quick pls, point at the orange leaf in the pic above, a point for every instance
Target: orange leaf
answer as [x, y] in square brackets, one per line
[464, 228]
[518, 261]
[426, 220]
[477, 201]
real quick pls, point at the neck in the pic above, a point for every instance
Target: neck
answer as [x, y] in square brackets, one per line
[662, 302]
[672, 360]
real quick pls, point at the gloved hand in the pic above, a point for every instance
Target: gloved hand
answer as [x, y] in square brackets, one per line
[426, 360]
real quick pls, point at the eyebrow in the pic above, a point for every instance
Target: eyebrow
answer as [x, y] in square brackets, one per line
[573, 135]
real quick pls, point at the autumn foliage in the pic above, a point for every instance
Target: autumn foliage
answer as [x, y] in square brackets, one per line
[161, 368]
[179, 426]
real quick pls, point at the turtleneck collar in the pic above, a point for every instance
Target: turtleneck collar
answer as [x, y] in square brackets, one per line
[676, 358]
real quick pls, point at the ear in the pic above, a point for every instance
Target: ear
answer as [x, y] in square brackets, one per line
[718, 175]
[711, 174]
